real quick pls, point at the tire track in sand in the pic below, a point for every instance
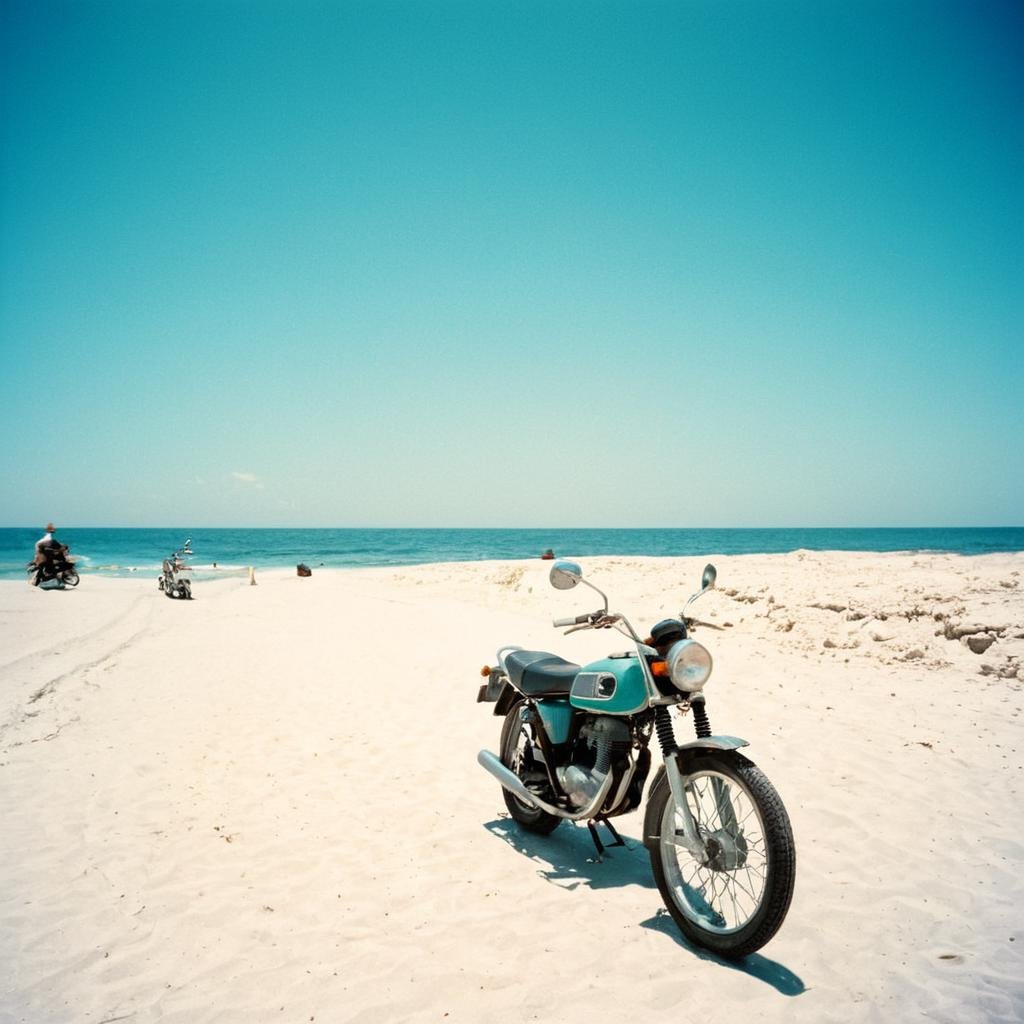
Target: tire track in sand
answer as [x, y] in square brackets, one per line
[20, 679]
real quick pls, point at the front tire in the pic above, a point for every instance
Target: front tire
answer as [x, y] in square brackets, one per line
[517, 742]
[71, 578]
[735, 898]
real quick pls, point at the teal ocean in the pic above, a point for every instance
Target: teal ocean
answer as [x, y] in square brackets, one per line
[120, 552]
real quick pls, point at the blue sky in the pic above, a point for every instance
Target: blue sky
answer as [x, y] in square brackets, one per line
[511, 264]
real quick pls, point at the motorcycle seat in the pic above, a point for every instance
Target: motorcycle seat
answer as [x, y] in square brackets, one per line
[539, 674]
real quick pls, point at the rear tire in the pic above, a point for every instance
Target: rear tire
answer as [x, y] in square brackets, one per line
[517, 741]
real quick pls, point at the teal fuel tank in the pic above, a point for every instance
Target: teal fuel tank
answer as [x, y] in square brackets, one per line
[611, 686]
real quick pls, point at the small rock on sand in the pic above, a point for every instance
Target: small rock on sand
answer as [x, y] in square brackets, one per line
[979, 644]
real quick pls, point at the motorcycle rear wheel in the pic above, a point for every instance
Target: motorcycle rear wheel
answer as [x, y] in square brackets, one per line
[517, 742]
[737, 899]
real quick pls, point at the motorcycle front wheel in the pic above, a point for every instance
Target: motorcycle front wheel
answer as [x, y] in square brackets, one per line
[734, 897]
[70, 578]
[517, 742]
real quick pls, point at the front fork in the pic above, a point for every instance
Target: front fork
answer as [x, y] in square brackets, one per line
[669, 748]
[670, 751]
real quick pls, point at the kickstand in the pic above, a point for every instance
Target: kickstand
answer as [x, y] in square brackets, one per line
[616, 838]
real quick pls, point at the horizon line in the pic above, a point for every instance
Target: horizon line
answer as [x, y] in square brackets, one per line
[179, 527]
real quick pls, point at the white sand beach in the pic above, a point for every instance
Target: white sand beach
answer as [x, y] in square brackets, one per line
[264, 804]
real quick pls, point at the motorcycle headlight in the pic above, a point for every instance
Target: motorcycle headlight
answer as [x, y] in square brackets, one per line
[689, 665]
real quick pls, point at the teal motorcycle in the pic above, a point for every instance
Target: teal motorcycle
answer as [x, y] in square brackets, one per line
[575, 746]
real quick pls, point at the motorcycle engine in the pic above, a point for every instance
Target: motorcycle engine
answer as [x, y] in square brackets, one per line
[601, 741]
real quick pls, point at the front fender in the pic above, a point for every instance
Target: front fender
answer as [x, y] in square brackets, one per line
[686, 755]
[710, 743]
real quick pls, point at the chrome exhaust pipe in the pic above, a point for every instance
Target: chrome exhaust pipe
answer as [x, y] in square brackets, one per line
[515, 786]
[508, 779]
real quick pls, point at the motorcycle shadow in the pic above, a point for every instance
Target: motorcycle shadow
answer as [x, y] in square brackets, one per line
[572, 861]
[572, 856]
[754, 965]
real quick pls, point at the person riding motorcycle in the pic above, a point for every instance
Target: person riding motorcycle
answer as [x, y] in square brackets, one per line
[48, 548]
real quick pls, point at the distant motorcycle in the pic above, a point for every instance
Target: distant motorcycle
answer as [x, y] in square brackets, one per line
[575, 744]
[58, 565]
[173, 582]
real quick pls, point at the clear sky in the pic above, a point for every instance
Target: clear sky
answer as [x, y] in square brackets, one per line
[511, 264]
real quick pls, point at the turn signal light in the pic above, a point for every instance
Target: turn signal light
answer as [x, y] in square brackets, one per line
[486, 671]
[659, 668]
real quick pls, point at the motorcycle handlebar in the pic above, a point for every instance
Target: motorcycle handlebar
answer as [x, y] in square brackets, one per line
[579, 620]
[694, 623]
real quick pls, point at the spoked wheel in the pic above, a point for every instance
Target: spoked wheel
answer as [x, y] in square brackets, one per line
[70, 578]
[732, 898]
[517, 743]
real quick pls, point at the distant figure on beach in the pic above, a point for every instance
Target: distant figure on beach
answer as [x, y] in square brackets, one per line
[44, 542]
[548, 555]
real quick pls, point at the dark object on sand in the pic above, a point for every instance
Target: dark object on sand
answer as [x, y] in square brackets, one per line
[548, 555]
[303, 570]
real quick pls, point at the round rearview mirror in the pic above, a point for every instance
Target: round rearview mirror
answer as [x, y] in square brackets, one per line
[565, 574]
[707, 581]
